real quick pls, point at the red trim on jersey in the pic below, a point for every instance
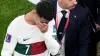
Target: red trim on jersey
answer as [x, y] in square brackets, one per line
[38, 48]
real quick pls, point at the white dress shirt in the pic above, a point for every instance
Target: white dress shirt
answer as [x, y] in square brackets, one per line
[59, 14]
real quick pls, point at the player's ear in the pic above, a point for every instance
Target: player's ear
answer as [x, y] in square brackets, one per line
[34, 11]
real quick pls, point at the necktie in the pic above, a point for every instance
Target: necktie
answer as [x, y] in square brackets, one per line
[61, 26]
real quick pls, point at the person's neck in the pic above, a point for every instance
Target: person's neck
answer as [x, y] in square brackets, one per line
[29, 18]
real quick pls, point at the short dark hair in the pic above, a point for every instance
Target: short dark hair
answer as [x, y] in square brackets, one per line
[45, 9]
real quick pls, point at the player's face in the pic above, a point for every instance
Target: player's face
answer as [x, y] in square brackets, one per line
[38, 18]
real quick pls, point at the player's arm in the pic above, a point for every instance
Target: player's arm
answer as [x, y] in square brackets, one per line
[9, 43]
[52, 45]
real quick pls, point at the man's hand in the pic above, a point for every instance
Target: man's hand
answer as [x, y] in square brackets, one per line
[42, 26]
[97, 27]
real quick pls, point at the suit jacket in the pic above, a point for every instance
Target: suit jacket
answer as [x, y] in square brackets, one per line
[77, 33]
[93, 5]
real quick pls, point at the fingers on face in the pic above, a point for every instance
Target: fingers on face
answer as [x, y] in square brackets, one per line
[41, 25]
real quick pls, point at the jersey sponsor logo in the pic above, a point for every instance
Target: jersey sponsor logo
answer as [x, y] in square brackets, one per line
[8, 38]
[26, 39]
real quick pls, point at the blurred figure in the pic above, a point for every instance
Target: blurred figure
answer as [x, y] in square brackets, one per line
[94, 7]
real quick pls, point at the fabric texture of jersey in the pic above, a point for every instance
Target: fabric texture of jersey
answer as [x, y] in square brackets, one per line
[27, 40]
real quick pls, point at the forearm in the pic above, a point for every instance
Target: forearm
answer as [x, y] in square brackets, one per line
[52, 45]
[5, 53]
[8, 47]
[7, 50]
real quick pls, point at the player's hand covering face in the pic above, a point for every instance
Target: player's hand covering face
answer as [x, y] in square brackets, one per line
[42, 26]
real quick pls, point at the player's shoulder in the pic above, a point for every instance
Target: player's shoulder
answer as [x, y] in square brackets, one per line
[15, 21]
[14, 24]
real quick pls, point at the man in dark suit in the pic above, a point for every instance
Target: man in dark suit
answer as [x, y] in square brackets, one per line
[94, 7]
[75, 37]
